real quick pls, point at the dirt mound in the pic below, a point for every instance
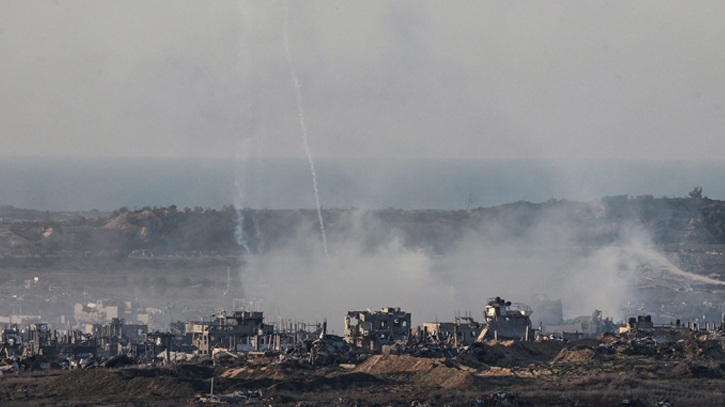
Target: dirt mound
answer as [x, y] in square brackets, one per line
[396, 363]
[469, 359]
[517, 353]
[275, 372]
[666, 343]
[576, 354]
[712, 349]
[327, 383]
[586, 342]
[126, 384]
[430, 372]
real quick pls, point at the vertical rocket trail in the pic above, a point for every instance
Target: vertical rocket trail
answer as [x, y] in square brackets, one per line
[301, 112]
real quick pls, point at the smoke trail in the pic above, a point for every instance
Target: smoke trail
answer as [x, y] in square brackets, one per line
[239, 232]
[258, 234]
[246, 176]
[285, 32]
[241, 183]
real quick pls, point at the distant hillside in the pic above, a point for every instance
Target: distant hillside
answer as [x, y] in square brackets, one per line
[170, 231]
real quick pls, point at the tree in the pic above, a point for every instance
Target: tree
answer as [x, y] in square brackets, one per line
[696, 193]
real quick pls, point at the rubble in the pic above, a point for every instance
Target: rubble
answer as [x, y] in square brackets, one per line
[501, 398]
[371, 330]
[582, 327]
[236, 397]
[462, 331]
[242, 338]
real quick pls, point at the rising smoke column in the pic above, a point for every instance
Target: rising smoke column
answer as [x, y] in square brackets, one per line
[241, 185]
[301, 112]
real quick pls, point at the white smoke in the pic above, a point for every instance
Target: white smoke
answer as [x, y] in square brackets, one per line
[490, 261]
[303, 127]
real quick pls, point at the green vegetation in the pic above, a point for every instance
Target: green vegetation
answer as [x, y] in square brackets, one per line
[668, 221]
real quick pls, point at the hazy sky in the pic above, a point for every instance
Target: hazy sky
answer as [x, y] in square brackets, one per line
[464, 79]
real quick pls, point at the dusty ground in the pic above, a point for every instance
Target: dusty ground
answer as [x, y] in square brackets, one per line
[686, 369]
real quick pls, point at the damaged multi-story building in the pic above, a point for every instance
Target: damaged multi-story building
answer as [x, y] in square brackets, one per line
[506, 320]
[243, 330]
[371, 330]
[100, 311]
[463, 331]
[118, 337]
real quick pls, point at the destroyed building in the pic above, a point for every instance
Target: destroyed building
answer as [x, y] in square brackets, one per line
[117, 337]
[506, 320]
[100, 311]
[371, 330]
[582, 327]
[642, 322]
[118, 328]
[243, 330]
[463, 331]
[76, 344]
[163, 340]
[42, 340]
[11, 335]
[19, 319]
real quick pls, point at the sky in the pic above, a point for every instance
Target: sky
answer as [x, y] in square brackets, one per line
[393, 79]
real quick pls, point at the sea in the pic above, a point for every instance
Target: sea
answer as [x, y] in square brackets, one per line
[108, 183]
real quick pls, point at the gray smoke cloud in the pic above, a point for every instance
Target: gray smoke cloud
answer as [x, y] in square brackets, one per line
[373, 267]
